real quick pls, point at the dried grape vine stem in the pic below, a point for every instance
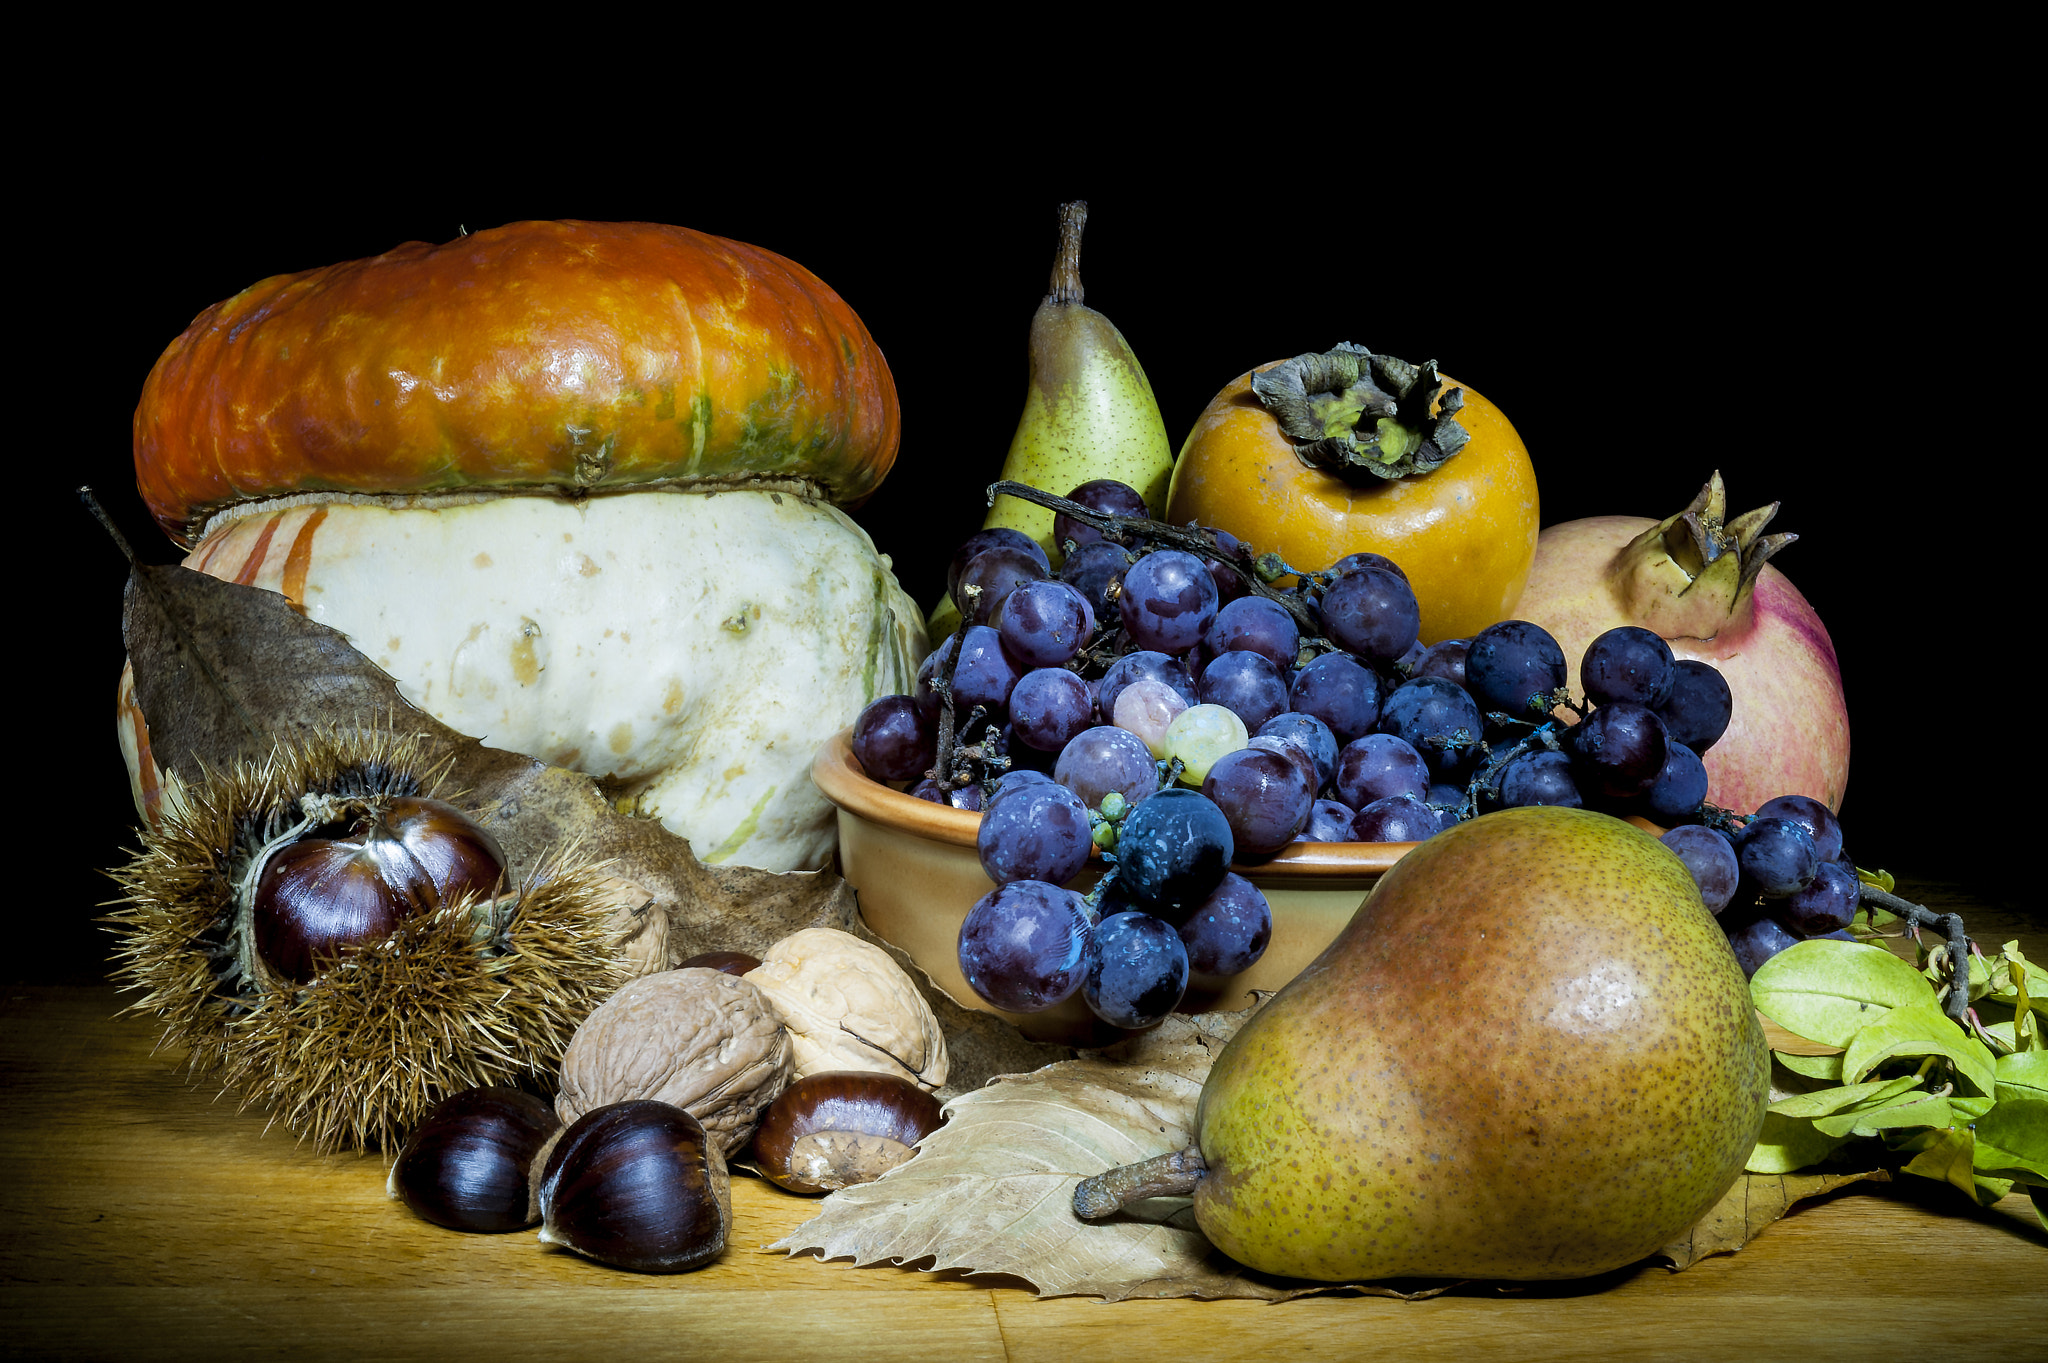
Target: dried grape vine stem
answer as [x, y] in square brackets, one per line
[1948, 924]
[1201, 543]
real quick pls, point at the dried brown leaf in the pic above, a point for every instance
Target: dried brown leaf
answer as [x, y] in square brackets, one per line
[1753, 1203]
[992, 1191]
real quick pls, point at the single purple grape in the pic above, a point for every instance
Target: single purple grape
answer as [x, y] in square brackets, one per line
[1340, 691]
[1680, 787]
[1398, 818]
[1171, 850]
[1617, 751]
[1827, 903]
[1816, 818]
[1756, 941]
[985, 677]
[1093, 571]
[1628, 663]
[1103, 759]
[893, 740]
[999, 537]
[1044, 624]
[1700, 705]
[1024, 946]
[1373, 613]
[1778, 856]
[1168, 601]
[1441, 720]
[1264, 797]
[1137, 970]
[1311, 735]
[1377, 766]
[1246, 684]
[1513, 667]
[1445, 658]
[1260, 626]
[1711, 861]
[1034, 832]
[1541, 777]
[1228, 934]
[1050, 707]
[1101, 494]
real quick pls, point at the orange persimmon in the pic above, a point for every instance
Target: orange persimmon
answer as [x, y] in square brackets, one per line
[1464, 533]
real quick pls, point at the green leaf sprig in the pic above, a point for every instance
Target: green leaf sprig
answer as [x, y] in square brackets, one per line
[1962, 1102]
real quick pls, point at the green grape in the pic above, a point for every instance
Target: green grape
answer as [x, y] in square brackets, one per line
[1201, 736]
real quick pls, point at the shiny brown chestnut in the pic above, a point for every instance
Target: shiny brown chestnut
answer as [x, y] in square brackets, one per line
[468, 1164]
[836, 1128]
[730, 962]
[637, 1185]
[400, 856]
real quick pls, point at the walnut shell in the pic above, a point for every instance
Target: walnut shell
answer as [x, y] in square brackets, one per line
[848, 1006]
[701, 1040]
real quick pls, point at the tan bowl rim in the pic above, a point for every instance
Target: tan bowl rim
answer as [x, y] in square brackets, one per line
[840, 778]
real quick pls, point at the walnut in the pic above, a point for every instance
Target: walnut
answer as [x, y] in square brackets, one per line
[702, 1040]
[848, 1006]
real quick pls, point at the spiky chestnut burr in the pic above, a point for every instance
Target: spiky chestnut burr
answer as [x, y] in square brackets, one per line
[485, 989]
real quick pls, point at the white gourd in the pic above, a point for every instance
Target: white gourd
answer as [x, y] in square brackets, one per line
[695, 648]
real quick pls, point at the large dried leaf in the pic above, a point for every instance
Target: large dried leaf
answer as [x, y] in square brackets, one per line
[1753, 1203]
[992, 1191]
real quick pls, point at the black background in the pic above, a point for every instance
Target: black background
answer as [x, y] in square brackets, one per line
[1645, 311]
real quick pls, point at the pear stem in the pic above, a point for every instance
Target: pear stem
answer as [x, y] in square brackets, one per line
[1066, 265]
[1109, 1192]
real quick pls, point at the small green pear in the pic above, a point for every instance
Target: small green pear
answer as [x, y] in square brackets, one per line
[1530, 1054]
[1089, 412]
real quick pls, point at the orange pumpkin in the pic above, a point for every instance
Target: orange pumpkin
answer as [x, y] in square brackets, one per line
[1465, 532]
[584, 356]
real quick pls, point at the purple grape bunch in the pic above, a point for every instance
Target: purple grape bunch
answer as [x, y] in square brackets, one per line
[1263, 718]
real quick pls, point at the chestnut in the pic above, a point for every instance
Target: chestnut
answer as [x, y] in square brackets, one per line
[836, 1128]
[730, 962]
[637, 1185]
[399, 856]
[467, 1165]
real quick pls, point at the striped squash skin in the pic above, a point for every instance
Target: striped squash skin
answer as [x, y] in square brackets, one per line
[538, 354]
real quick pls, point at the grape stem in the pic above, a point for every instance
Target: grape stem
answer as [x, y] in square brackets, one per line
[1951, 926]
[1189, 539]
[1109, 1192]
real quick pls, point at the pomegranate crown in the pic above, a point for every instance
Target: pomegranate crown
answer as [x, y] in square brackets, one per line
[1693, 574]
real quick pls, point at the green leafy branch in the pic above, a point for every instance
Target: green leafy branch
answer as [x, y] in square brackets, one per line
[1874, 1056]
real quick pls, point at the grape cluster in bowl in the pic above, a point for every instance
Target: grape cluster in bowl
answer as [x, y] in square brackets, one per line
[1159, 699]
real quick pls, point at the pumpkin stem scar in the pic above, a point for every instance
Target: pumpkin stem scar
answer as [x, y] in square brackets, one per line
[735, 839]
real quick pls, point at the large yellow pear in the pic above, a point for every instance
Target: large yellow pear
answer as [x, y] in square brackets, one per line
[1530, 1054]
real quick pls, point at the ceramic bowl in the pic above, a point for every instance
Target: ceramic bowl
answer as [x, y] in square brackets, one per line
[914, 866]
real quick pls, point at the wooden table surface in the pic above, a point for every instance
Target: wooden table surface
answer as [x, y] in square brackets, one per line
[147, 1218]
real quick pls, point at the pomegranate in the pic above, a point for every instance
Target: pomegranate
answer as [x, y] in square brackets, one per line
[1702, 582]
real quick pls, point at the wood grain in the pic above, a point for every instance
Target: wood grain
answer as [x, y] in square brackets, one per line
[149, 1219]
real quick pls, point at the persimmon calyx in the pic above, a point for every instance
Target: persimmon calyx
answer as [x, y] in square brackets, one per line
[1693, 575]
[1363, 416]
